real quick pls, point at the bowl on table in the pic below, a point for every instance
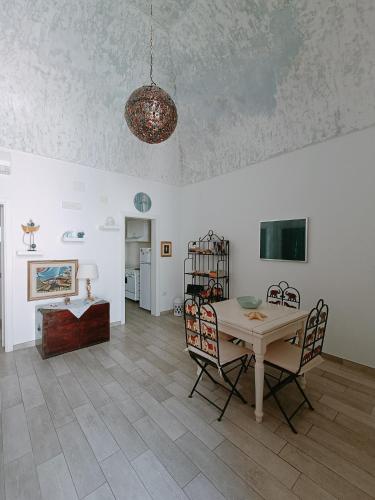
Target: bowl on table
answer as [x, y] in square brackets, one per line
[249, 302]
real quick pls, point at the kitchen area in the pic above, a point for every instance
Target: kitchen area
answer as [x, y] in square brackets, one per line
[137, 264]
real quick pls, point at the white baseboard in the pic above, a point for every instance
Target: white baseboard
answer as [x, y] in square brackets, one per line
[168, 311]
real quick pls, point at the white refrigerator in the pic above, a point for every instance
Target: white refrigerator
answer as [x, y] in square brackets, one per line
[145, 278]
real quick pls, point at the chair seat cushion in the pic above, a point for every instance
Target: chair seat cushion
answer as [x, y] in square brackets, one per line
[288, 357]
[230, 352]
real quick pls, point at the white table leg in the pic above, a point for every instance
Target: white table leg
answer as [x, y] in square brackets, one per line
[259, 351]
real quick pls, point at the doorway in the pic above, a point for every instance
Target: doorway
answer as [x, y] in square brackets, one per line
[2, 308]
[140, 267]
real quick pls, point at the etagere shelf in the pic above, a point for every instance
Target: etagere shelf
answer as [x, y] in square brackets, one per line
[206, 269]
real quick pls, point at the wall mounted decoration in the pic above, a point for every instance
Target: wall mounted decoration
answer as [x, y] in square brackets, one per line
[71, 205]
[110, 225]
[73, 237]
[29, 231]
[166, 248]
[47, 279]
[150, 112]
[142, 202]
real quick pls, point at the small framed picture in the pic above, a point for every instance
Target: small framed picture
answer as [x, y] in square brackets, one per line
[48, 279]
[166, 248]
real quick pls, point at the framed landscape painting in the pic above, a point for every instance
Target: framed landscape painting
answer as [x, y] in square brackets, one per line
[48, 279]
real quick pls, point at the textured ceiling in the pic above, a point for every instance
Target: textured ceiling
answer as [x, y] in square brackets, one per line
[165, 12]
[67, 69]
[251, 78]
[257, 78]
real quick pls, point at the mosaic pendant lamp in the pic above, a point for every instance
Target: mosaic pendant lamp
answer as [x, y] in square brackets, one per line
[150, 112]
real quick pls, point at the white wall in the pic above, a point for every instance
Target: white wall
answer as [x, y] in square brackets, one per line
[331, 183]
[36, 189]
[1, 263]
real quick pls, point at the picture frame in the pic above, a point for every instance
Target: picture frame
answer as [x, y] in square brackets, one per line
[166, 248]
[50, 279]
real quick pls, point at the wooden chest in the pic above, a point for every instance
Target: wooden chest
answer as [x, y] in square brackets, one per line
[59, 331]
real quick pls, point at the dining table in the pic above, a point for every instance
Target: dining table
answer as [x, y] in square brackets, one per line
[280, 322]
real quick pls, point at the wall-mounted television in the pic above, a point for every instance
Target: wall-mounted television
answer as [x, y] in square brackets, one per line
[284, 240]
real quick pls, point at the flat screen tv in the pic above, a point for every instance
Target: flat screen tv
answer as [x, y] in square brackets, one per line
[284, 240]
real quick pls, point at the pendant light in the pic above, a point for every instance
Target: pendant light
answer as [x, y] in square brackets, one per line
[150, 112]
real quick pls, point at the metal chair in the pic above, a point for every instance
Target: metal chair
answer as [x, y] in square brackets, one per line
[205, 348]
[212, 293]
[296, 360]
[283, 295]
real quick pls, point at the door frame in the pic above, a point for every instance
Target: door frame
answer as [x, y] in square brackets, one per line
[7, 274]
[155, 261]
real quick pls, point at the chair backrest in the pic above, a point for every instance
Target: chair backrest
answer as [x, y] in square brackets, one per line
[213, 292]
[284, 295]
[315, 329]
[201, 330]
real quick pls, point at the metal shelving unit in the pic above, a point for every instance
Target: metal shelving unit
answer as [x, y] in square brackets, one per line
[206, 269]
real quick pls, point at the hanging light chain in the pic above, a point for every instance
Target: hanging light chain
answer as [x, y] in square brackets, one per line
[151, 46]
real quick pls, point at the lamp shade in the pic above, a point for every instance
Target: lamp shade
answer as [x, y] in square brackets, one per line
[87, 272]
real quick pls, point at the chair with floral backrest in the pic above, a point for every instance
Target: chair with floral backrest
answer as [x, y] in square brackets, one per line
[284, 295]
[205, 347]
[295, 360]
[212, 293]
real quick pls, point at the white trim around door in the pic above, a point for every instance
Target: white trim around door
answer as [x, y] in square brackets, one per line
[7, 273]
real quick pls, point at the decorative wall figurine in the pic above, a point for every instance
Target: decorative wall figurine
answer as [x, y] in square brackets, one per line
[73, 236]
[29, 230]
[110, 221]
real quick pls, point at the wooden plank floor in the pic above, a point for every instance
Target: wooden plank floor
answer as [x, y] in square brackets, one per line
[114, 421]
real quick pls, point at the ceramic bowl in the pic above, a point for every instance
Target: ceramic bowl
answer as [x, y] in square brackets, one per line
[249, 302]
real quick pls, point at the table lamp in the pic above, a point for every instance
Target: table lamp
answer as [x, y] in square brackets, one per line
[88, 272]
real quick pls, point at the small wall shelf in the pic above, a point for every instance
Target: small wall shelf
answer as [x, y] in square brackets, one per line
[66, 239]
[106, 227]
[23, 253]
